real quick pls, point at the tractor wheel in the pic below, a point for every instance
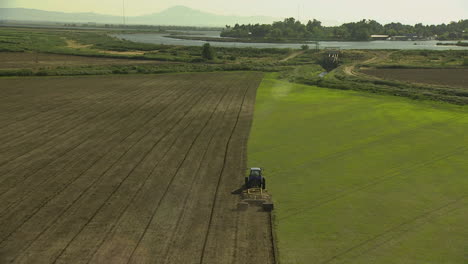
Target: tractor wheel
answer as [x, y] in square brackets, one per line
[263, 183]
[246, 182]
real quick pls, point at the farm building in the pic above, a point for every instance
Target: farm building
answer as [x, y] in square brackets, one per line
[406, 37]
[380, 37]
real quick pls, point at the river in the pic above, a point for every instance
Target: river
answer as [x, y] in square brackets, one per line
[378, 44]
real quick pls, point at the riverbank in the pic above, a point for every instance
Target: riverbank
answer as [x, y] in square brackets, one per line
[241, 40]
[191, 40]
[459, 44]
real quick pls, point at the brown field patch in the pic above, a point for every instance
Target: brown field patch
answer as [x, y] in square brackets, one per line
[128, 169]
[134, 52]
[75, 45]
[448, 77]
[24, 60]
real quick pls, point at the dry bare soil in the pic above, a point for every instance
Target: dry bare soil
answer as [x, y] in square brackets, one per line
[134, 169]
[448, 77]
[24, 60]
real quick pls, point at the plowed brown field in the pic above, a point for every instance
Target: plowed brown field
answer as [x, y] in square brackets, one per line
[128, 169]
[448, 77]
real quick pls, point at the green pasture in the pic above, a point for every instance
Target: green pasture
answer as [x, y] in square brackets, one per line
[362, 178]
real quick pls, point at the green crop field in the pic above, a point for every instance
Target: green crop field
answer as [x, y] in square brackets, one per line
[362, 178]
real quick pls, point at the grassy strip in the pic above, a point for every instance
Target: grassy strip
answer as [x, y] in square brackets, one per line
[339, 80]
[139, 69]
[459, 43]
[411, 59]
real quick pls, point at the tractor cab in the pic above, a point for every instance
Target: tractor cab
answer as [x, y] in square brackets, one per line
[255, 179]
[255, 172]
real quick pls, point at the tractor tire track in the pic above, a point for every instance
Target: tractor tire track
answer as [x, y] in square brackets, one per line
[161, 252]
[193, 182]
[71, 254]
[249, 232]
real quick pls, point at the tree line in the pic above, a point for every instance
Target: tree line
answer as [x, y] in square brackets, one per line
[291, 29]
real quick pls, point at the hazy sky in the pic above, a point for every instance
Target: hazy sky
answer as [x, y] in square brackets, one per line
[405, 11]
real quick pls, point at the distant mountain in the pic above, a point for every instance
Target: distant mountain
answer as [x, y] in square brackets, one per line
[176, 16]
[181, 15]
[24, 14]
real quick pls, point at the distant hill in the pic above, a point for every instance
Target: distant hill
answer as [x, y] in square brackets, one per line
[181, 15]
[177, 16]
[24, 14]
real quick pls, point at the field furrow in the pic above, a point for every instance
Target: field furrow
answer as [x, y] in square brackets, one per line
[83, 156]
[126, 169]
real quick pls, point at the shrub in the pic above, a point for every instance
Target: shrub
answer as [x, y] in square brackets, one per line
[197, 60]
[120, 71]
[23, 72]
[42, 73]
[207, 52]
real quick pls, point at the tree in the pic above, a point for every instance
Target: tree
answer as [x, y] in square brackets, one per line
[207, 52]
[312, 25]
[292, 29]
[276, 33]
[361, 34]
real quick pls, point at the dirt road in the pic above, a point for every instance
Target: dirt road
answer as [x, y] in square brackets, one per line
[292, 56]
[350, 69]
[128, 169]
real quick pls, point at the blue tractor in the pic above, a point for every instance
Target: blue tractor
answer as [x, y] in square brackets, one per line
[255, 179]
[254, 191]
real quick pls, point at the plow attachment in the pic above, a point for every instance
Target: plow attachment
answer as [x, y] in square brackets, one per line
[257, 197]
